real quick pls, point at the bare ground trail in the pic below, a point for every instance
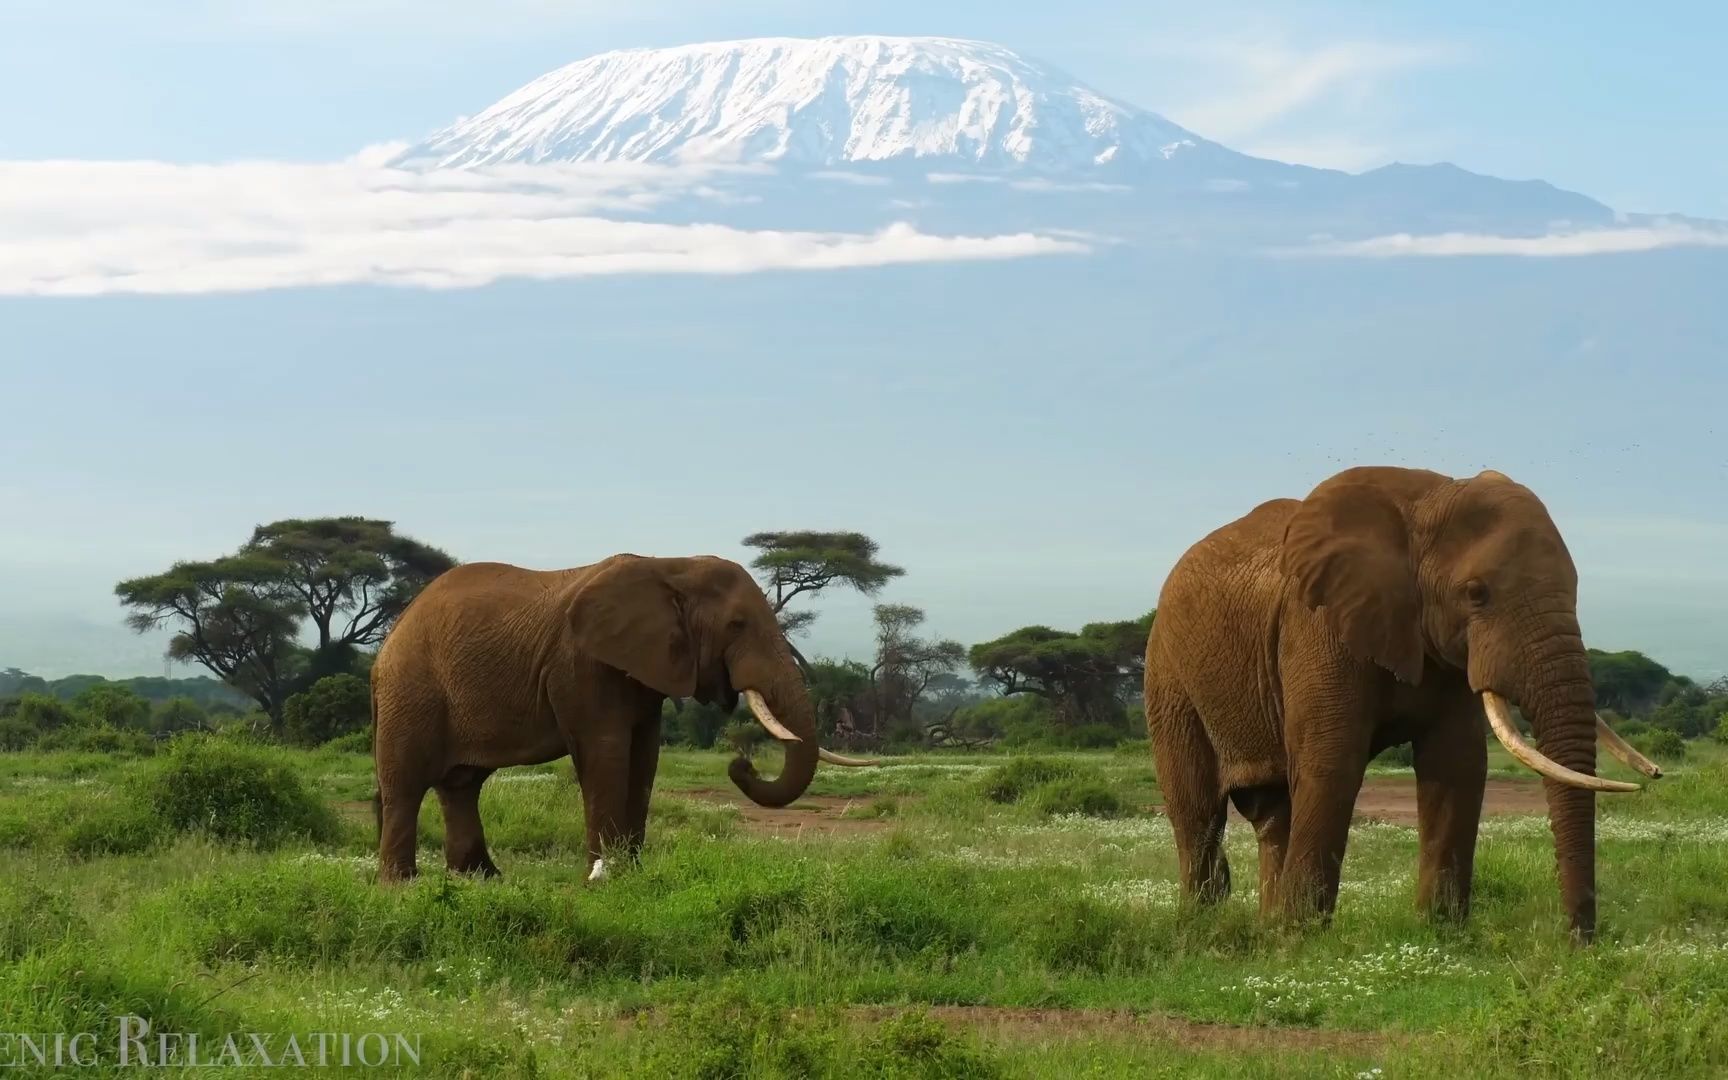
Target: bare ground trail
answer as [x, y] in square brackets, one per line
[1390, 799]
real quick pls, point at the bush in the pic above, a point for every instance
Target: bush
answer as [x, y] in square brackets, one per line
[1627, 728]
[1720, 732]
[112, 706]
[113, 827]
[1007, 783]
[743, 736]
[1073, 796]
[355, 742]
[41, 712]
[15, 734]
[179, 714]
[232, 792]
[334, 705]
[696, 725]
[1661, 744]
[1403, 755]
[98, 740]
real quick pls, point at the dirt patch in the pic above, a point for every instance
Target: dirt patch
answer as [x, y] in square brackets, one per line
[1393, 799]
[1009, 1023]
[813, 815]
[360, 809]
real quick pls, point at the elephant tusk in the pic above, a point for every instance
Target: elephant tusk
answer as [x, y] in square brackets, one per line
[765, 717]
[1500, 719]
[1623, 750]
[835, 759]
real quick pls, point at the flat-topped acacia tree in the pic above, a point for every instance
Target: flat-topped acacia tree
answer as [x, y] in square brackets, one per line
[241, 615]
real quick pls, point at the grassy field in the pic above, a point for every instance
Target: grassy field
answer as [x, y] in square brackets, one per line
[898, 922]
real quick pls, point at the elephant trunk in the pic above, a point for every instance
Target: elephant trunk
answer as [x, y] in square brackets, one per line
[1561, 702]
[783, 706]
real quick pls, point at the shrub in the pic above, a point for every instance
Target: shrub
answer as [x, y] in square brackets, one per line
[743, 736]
[355, 742]
[42, 712]
[1720, 732]
[1627, 728]
[15, 734]
[232, 792]
[112, 706]
[179, 714]
[1662, 744]
[696, 724]
[1007, 783]
[1401, 755]
[98, 740]
[1075, 796]
[112, 827]
[334, 705]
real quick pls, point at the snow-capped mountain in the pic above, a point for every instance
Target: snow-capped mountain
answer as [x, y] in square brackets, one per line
[928, 114]
[820, 102]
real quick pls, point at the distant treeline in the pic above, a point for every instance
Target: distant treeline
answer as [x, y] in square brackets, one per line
[210, 694]
[290, 621]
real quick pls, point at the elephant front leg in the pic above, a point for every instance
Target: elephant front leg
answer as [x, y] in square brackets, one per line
[603, 769]
[1326, 770]
[1451, 771]
[644, 762]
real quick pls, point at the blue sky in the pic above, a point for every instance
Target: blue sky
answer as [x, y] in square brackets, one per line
[1035, 440]
[1620, 104]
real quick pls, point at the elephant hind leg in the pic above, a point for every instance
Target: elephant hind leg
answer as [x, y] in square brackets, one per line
[464, 839]
[1267, 808]
[399, 828]
[1193, 796]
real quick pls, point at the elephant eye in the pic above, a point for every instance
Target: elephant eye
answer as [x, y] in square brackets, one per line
[1476, 591]
[736, 622]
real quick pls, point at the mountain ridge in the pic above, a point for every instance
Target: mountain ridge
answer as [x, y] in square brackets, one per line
[815, 102]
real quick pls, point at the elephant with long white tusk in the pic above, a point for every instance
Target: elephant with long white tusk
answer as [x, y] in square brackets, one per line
[1388, 606]
[494, 665]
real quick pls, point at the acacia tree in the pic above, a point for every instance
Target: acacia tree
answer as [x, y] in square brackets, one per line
[235, 616]
[241, 616]
[801, 563]
[352, 569]
[1086, 677]
[906, 665]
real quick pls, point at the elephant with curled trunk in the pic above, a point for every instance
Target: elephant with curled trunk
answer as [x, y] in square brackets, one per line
[493, 665]
[1389, 606]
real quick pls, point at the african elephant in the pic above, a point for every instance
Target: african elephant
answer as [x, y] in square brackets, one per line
[494, 665]
[1389, 606]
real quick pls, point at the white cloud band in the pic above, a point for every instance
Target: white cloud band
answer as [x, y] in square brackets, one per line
[1614, 241]
[90, 228]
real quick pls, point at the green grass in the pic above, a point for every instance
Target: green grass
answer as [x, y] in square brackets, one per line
[728, 952]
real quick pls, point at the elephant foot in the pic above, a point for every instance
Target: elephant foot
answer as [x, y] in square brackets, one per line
[396, 875]
[482, 868]
[1302, 905]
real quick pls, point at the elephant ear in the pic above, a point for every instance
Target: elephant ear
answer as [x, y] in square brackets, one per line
[1348, 551]
[629, 616]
